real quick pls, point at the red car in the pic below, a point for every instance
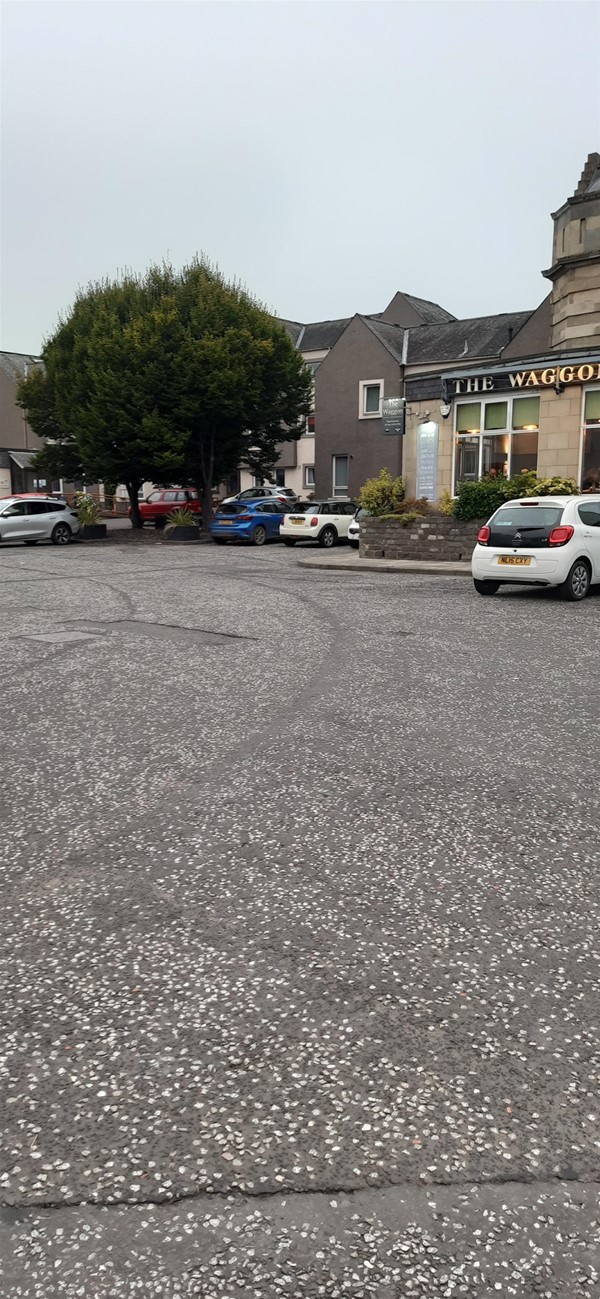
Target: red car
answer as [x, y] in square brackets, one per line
[160, 503]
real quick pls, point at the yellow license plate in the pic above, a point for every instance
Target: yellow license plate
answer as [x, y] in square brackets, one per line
[226, 523]
[521, 560]
[299, 522]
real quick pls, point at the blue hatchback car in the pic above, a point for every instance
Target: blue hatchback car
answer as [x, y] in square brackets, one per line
[254, 521]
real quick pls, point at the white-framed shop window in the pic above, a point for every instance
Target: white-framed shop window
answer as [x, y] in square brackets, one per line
[495, 438]
[370, 398]
[590, 441]
[340, 475]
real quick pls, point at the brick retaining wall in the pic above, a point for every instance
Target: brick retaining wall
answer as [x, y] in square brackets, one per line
[435, 536]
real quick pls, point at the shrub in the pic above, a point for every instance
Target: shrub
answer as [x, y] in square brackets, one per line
[87, 509]
[446, 503]
[412, 505]
[479, 500]
[553, 487]
[382, 495]
[181, 518]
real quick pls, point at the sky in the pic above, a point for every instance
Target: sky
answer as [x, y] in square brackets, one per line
[324, 154]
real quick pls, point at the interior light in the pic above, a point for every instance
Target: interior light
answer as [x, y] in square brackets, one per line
[530, 428]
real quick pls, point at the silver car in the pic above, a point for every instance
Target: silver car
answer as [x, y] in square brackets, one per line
[37, 518]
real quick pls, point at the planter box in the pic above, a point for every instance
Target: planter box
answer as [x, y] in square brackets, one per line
[191, 533]
[92, 531]
[432, 536]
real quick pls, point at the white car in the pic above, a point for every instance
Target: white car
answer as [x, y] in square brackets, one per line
[324, 521]
[354, 529]
[258, 493]
[37, 518]
[547, 541]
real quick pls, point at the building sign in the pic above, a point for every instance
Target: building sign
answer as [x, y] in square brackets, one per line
[551, 376]
[427, 457]
[394, 415]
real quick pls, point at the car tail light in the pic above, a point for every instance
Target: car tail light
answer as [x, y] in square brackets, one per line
[244, 518]
[560, 536]
[314, 521]
[483, 536]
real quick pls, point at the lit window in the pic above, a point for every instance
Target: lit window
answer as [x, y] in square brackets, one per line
[590, 472]
[495, 439]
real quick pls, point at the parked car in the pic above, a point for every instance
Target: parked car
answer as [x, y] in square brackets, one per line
[354, 529]
[253, 521]
[34, 518]
[262, 493]
[160, 502]
[549, 541]
[324, 521]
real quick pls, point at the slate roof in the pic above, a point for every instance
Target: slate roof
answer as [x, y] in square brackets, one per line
[17, 364]
[392, 336]
[316, 337]
[430, 312]
[466, 340]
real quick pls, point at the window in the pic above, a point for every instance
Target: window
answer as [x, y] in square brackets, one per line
[590, 515]
[309, 476]
[154, 496]
[280, 478]
[590, 469]
[19, 508]
[170, 496]
[310, 425]
[181, 496]
[370, 396]
[40, 507]
[496, 439]
[340, 475]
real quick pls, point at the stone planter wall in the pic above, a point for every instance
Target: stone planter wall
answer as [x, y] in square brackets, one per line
[435, 536]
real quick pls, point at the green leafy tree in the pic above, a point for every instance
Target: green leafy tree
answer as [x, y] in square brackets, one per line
[167, 377]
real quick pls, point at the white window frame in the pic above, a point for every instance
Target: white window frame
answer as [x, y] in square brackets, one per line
[342, 455]
[362, 387]
[592, 387]
[477, 398]
[306, 484]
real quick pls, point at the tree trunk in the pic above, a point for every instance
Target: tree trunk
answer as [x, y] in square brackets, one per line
[132, 492]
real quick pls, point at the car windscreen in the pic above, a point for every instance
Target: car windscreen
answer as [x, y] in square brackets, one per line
[521, 517]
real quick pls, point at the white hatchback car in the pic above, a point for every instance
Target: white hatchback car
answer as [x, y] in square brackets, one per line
[547, 541]
[37, 518]
[324, 521]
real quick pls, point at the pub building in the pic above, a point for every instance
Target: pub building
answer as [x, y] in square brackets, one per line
[536, 405]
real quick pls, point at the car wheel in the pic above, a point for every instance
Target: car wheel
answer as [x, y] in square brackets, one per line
[485, 588]
[220, 541]
[577, 583]
[289, 541]
[259, 536]
[328, 537]
[61, 534]
[31, 543]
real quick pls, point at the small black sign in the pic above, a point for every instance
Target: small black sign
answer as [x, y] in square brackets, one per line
[394, 416]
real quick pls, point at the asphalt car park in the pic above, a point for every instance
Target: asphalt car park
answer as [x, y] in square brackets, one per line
[299, 930]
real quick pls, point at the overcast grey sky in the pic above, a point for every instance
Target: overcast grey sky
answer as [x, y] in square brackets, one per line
[325, 153]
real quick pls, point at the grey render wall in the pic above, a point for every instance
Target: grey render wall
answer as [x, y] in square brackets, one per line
[357, 355]
[14, 429]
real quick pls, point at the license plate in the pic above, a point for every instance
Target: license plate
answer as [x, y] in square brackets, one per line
[226, 523]
[521, 560]
[299, 522]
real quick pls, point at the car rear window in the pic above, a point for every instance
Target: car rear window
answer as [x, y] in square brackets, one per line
[233, 508]
[527, 516]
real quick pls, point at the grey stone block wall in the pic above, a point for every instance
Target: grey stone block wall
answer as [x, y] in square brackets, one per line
[435, 536]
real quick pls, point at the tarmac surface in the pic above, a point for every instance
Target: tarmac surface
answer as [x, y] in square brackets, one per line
[299, 931]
